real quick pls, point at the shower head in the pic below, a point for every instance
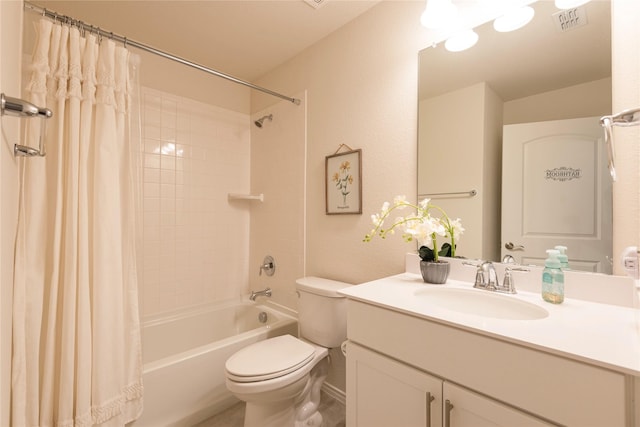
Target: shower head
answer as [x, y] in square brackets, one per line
[262, 119]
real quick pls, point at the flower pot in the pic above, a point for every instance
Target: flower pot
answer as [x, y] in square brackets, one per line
[434, 272]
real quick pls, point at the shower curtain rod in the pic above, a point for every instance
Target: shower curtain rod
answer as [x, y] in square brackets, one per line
[128, 42]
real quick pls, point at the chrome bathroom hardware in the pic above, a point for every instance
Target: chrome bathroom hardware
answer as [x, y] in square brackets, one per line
[133, 43]
[260, 121]
[625, 118]
[508, 259]
[513, 247]
[470, 193]
[268, 266]
[263, 317]
[508, 283]
[448, 407]
[263, 293]
[480, 281]
[20, 108]
[429, 399]
[629, 117]
[487, 278]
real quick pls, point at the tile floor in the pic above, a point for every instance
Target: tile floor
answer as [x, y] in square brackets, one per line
[333, 413]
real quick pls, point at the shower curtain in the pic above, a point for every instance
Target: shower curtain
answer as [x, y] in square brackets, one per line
[76, 337]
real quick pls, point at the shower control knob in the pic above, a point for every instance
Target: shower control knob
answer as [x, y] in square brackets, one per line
[268, 266]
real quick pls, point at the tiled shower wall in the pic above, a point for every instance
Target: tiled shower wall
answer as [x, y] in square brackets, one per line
[195, 241]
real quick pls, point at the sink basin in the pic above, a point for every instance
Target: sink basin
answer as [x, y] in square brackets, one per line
[481, 303]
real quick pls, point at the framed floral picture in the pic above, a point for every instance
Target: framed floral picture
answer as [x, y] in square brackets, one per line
[343, 183]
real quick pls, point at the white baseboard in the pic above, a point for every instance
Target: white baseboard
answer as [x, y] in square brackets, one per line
[335, 393]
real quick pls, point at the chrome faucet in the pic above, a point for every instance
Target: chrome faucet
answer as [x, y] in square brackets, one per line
[508, 259]
[263, 293]
[487, 278]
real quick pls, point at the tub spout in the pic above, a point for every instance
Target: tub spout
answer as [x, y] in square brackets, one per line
[264, 293]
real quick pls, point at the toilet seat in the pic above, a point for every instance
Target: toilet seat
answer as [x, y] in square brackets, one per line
[268, 359]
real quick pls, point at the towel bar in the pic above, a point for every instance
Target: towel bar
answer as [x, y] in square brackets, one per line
[20, 108]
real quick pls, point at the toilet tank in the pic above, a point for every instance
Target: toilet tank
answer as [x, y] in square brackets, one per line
[322, 312]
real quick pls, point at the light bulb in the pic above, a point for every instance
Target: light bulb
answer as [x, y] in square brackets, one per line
[514, 19]
[461, 41]
[570, 4]
[438, 14]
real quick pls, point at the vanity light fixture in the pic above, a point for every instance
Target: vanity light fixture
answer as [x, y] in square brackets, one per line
[514, 19]
[570, 4]
[439, 14]
[461, 41]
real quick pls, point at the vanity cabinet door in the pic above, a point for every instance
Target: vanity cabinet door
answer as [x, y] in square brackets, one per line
[464, 408]
[382, 392]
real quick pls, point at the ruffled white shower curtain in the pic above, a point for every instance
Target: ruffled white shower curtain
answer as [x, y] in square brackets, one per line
[76, 336]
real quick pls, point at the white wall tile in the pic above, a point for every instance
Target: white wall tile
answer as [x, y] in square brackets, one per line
[195, 243]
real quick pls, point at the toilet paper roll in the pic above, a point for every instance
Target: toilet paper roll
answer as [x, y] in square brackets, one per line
[343, 347]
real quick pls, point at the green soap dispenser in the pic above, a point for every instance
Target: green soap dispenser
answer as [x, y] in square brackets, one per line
[562, 256]
[552, 278]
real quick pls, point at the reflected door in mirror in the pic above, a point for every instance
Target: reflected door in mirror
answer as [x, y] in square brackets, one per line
[556, 191]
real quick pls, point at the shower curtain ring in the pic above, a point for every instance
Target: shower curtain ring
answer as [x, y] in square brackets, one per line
[125, 42]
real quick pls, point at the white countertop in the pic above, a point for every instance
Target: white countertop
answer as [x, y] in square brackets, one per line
[600, 334]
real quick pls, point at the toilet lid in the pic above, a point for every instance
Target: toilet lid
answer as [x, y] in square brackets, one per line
[268, 359]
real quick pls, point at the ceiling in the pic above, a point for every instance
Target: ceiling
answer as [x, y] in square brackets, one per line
[248, 38]
[535, 59]
[242, 38]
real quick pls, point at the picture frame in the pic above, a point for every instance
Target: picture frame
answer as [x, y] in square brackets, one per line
[343, 183]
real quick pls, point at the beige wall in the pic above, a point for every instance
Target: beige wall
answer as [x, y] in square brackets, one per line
[173, 77]
[591, 99]
[492, 174]
[278, 167]
[10, 57]
[361, 84]
[466, 157]
[626, 94]
[361, 90]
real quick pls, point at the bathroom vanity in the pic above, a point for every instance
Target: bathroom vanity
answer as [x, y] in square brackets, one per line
[451, 355]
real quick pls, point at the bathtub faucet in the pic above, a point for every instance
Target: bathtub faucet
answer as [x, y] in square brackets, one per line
[264, 293]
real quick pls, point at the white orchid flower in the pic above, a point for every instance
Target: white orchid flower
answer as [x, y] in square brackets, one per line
[421, 226]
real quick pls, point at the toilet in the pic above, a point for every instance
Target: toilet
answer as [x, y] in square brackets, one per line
[280, 378]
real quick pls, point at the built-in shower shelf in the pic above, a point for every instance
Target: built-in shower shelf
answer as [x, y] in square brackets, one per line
[239, 196]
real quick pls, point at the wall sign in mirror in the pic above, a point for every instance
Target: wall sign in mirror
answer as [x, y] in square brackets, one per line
[343, 182]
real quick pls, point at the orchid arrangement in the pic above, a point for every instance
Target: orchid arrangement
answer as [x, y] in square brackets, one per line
[419, 226]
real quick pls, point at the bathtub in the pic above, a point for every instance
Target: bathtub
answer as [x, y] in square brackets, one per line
[184, 356]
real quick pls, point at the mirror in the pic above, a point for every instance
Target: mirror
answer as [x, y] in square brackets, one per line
[538, 73]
